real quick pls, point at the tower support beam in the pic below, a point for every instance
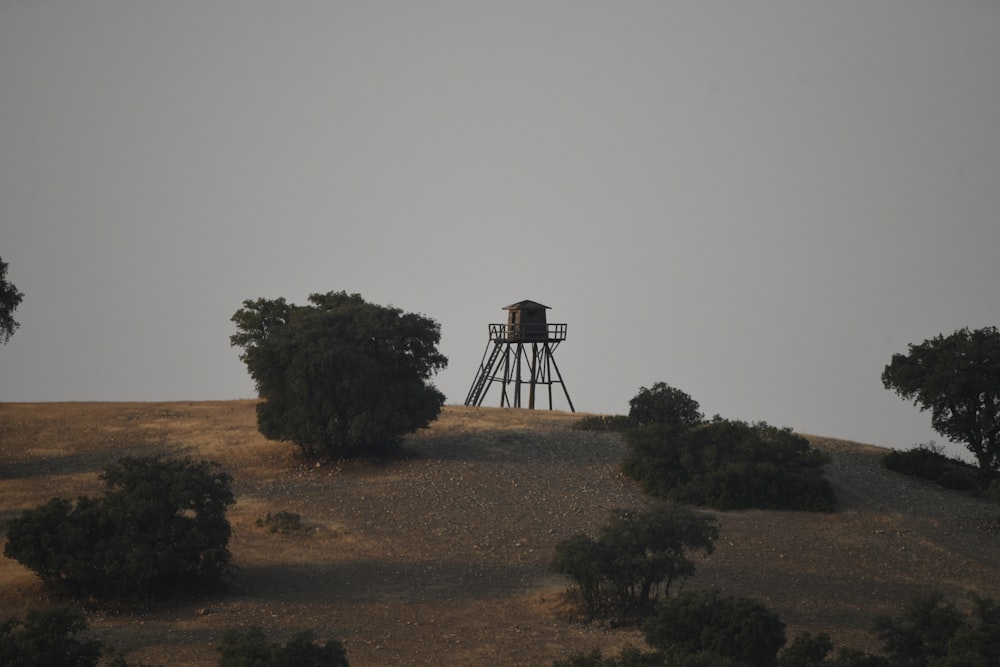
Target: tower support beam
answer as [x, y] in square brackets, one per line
[512, 365]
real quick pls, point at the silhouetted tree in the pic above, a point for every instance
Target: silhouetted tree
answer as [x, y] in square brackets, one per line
[957, 378]
[10, 299]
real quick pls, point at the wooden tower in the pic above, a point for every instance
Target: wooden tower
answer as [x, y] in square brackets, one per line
[518, 353]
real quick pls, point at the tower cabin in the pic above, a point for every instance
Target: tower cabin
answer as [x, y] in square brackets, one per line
[526, 323]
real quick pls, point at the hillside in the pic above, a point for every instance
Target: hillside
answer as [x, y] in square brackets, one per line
[441, 558]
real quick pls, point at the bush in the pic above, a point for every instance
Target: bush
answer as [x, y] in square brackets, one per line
[729, 465]
[615, 423]
[250, 648]
[921, 634]
[739, 629]
[663, 404]
[638, 557]
[47, 638]
[283, 522]
[927, 461]
[160, 523]
[806, 650]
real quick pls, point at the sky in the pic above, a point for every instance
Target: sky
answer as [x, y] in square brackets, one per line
[758, 203]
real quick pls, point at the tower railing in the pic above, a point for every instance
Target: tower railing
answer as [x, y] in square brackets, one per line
[549, 333]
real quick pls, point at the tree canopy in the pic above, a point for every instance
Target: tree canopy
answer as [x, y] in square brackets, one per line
[340, 377]
[663, 404]
[956, 378]
[10, 299]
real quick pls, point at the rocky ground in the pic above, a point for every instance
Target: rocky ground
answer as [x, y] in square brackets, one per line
[441, 558]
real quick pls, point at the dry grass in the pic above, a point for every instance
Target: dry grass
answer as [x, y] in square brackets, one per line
[441, 558]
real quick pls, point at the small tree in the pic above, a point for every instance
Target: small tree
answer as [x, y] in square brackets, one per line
[637, 557]
[340, 377]
[159, 523]
[10, 299]
[956, 378]
[663, 404]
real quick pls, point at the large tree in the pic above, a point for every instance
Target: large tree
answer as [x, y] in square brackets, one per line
[10, 299]
[957, 378]
[340, 377]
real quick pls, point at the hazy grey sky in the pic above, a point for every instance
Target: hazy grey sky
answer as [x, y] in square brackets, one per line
[756, 202]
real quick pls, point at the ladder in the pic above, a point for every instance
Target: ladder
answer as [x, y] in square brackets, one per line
[476, 393]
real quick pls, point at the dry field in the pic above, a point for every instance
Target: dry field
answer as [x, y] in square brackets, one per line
[441, 558]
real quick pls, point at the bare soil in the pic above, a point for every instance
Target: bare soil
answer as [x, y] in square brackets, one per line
[441, 558]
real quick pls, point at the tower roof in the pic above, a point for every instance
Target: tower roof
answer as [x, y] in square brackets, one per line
[527, 304]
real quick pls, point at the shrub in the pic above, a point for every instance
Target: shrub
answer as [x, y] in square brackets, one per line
[637, 557]
[250, 648]
[729, 465]
[922, 633]
[806, 650]
[739, 629]
[927, 461]
[47, 638]
[282, 522]
[663, 404]
[160, 523]
[615, 423]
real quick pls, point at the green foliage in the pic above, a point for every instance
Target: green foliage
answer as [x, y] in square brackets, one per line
[159, 523]
[663, 404]
[705, 629]
[922, 634]
[729, 465]
[956, 378]
[659, 404]
[636, 559]
[340, 377]
[282, 522]
[977, 641]
[928, 462]
[47, 638]
[806, 650]
[739, 629]
[250, 648]
[614, 423]
[10, 299]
